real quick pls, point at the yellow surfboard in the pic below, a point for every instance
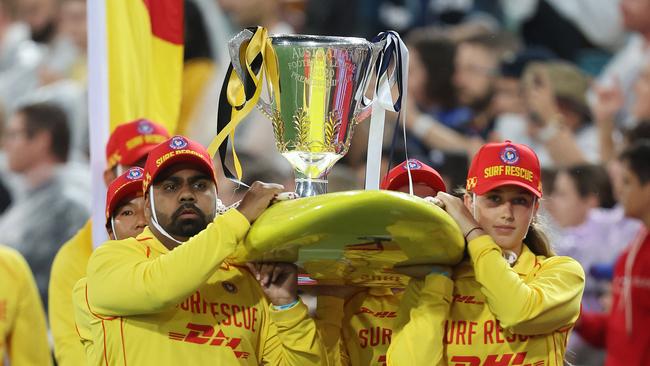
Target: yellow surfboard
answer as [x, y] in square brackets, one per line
[354, 237]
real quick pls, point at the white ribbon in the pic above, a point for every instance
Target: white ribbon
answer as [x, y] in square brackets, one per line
[394, 51]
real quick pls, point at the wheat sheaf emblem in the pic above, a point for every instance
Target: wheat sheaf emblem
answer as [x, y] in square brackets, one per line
[301, 124]
[278, 131]
[332, 127]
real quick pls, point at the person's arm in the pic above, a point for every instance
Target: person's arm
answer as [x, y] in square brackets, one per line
[422, 313]
[83, 318]
[289, 335]
[592, 327]
[561, 145]
[28, 343]
[329, 321]
[123, 281]
[435, 135]
[291, 338]
[548, 302]
[543, 108]
[69, 266]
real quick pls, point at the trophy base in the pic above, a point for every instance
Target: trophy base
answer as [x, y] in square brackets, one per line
[353, 238]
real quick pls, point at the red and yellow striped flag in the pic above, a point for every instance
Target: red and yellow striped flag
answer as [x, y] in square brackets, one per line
[145, 60]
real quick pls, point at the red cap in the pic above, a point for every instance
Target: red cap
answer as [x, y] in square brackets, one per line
[127, 184]
[132, 141]
[420, 172]
[505, 163]
[178, 149]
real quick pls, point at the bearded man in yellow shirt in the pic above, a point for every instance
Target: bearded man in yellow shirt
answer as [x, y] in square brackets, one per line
[168, 297]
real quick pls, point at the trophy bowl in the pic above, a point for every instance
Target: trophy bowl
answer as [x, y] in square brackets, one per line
[322, 81]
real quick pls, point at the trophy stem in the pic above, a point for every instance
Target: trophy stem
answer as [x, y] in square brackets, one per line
[307, 187]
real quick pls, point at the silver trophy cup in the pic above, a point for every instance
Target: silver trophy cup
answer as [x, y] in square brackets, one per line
[322, 82]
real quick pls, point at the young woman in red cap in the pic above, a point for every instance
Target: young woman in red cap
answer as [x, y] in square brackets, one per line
[511, 302]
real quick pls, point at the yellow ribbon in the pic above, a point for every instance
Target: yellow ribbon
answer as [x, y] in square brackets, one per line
[259, 45]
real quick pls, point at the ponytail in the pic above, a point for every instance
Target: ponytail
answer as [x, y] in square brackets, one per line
[537, 241]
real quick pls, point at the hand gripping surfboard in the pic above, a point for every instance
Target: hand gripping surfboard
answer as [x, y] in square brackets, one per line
[354, 237]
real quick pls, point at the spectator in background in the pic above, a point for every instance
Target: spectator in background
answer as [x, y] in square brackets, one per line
[62, 73]
[431, 68]
[607, 111]
[476, 68]
[568, 28]
[508, 97]
[69, 45]
[36, 143]
[592, 232]
[558, 124]
[19, 56]
[615, 167]
[472, 78]
[623, 70]
[624, 330]
[40, 16]
[432, 110]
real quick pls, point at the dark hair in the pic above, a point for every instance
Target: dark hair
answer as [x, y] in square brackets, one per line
[513, 66]
[50, 119]
[590, 180]
[640, 131]
[437, 53]
[537, 241]
[637, 156]
[5, 197]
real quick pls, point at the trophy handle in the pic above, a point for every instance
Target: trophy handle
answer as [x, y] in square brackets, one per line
[365, 104]
[234, 47]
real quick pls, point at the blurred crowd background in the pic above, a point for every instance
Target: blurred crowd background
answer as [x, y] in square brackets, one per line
[571, 79]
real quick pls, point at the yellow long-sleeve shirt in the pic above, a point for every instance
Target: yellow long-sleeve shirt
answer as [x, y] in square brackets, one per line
[497, 315]
[358, 332]
[69, 266]
[23, 334]
[142, 304]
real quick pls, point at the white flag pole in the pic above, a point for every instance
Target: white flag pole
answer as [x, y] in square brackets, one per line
[98, 112]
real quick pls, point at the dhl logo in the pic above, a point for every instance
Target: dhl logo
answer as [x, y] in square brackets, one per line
[381, 360]
[506, 359]
[467, 300]
[204, 334]
[378, 314]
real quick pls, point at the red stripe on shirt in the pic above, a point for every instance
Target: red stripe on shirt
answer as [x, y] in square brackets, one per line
[105, 355]
[123, 342]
